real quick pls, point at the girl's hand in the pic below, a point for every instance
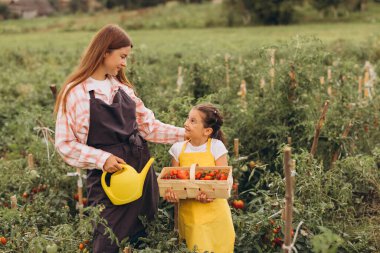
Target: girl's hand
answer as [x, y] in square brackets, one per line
[113, 164]
[170, 196]
[202, 197]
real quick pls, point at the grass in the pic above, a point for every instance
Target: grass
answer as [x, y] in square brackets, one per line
[200, 41]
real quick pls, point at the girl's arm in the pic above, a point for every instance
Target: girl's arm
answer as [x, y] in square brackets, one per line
[175, 163]
[222, 161]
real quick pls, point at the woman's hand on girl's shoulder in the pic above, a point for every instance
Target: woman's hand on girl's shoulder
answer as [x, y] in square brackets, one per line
[202, 197]
[171, 196]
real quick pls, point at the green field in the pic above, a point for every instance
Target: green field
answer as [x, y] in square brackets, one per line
[195, 42]
[337, 201]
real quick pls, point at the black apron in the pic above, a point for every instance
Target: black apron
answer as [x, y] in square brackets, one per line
[113, 128]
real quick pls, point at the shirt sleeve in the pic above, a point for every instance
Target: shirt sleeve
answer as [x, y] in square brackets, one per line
[73, 151]
[152, 129]
[218, 149]
[175, 150]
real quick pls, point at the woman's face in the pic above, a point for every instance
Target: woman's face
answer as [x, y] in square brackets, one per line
[116, 60]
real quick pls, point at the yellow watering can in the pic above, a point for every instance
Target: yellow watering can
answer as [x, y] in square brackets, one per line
[125, 185]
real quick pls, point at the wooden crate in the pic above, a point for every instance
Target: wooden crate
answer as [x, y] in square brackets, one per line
[189, 188]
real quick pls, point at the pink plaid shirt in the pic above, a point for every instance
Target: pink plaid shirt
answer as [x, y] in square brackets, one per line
[71, 129]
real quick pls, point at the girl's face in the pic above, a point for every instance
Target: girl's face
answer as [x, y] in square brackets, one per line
[116, 60]
[194, 128]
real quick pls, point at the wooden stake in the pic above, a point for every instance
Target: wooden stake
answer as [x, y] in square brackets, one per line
[329, 90]
[344, 136]
[293, 172]
[360, 90]
[236, 147]
[242, 93]
[322, 80]
[30, 161]
[272, 57]
[318, 128]
[366, 79]
[243, 89]
[179, 79]
[288, 197]
[272, 75]
[289, 141]
[14, 202]
[262, 83]
[53, 90]
[329, 74]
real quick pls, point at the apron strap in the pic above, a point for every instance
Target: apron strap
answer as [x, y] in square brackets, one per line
[184, 146]
[209, 145]
[92, 95]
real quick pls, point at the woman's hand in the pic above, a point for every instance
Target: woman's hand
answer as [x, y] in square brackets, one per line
[113, 164]
[202, 197]
[170, 196]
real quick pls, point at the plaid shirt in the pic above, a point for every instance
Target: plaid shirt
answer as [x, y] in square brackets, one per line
[71, 130]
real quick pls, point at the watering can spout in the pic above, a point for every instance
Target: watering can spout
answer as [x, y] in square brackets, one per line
[146, 168]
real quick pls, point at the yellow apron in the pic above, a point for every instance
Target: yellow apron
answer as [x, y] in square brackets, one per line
[208, 226]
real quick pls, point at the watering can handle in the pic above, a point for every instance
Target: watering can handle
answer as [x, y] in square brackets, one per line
[192, 171]
[108, 179]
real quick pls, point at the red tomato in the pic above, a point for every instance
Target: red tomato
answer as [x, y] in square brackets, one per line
[207, 178]
[198, 175]
[223, 177]
[238, 204]
[76, 196]
[182, 174]
[81, 246]
[173, 172]
[3, 240]
[277, 241]
[25, 195]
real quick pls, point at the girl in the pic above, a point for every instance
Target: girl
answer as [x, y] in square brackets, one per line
[204, 223]
[102, 123]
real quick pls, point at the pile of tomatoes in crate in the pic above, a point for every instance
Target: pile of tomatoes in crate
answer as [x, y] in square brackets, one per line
[211, 175]
[199, 175]
[177, 174]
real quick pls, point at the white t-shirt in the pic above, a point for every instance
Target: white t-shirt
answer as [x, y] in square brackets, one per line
[101, 85]
[217, 149]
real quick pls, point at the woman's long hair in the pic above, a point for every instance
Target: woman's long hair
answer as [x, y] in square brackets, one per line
[109, 38]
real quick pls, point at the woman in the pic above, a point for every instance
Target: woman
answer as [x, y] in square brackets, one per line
[102, 123]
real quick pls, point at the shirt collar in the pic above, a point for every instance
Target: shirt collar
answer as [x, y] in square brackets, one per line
[90, 85]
